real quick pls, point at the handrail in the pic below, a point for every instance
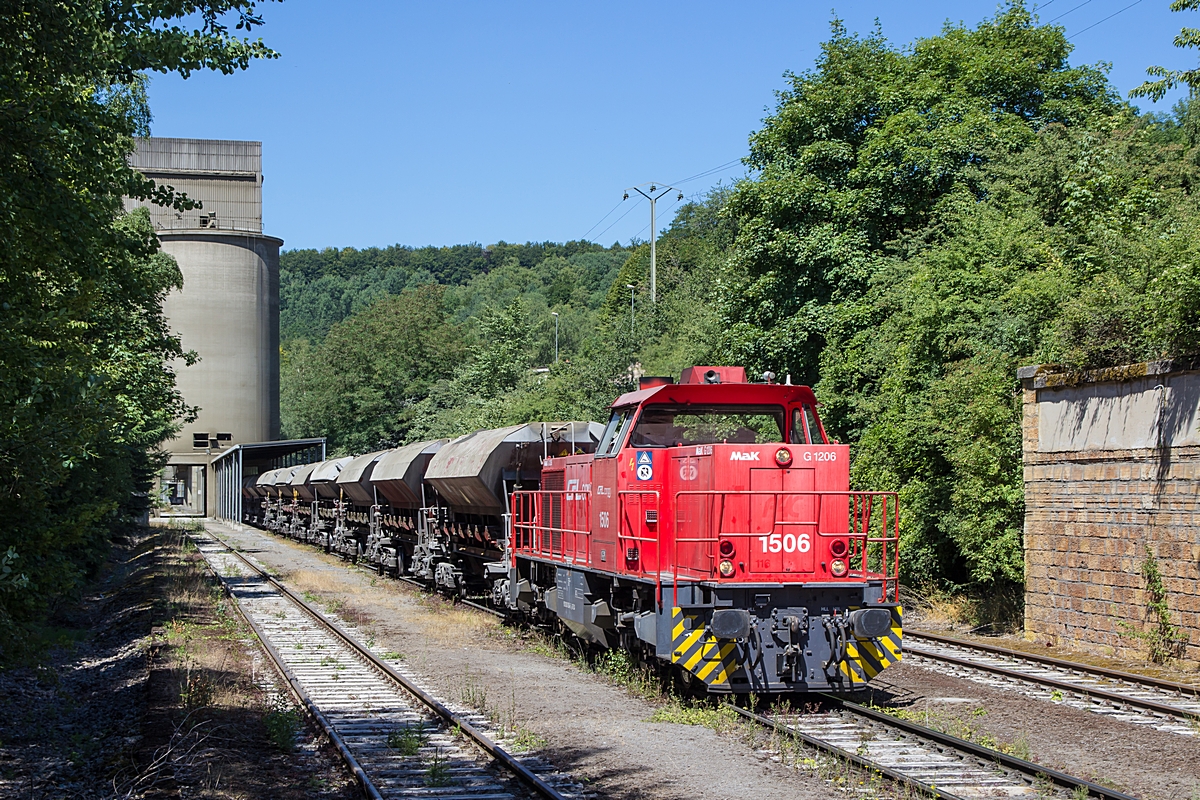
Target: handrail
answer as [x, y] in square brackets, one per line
[872, 518]
[860, 523]
[523, 500]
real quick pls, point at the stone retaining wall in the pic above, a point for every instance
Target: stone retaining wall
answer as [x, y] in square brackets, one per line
[1112, 462]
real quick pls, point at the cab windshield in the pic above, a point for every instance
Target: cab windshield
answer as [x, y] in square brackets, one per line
[680, 426]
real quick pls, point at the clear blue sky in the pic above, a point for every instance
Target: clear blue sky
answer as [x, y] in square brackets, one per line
[449, 122]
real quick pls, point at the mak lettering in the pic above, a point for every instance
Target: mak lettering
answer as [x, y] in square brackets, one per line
[739, 456]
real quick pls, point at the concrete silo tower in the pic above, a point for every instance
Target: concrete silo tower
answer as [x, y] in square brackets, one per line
[228, 310]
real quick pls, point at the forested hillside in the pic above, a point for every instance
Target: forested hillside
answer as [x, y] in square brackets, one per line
[918, 221]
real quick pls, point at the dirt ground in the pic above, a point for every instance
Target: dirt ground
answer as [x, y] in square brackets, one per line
[153, 689]
[598, 731]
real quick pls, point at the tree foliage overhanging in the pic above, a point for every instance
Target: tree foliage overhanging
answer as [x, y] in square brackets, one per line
[85, 393]
[917, 223]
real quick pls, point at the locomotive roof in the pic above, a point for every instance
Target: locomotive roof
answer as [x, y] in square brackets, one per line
[718, 394]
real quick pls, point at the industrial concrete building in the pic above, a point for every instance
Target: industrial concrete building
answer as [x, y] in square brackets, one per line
[228, 310]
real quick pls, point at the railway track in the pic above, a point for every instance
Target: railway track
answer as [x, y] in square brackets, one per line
[928, 761]
[397, 738]
[1163, 705]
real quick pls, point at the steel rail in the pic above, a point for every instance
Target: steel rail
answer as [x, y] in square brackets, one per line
[297, 689]
[1115, 698]
[1011, 762]
[523, 773]
[853, 758]
[1113, 674]
[943, 741]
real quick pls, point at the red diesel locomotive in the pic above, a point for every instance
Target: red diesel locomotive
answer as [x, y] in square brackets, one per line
[714, 528]
[710, 527]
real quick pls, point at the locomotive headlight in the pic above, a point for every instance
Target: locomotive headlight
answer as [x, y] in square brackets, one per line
[783, 456]
[726, 568]
[838, 568]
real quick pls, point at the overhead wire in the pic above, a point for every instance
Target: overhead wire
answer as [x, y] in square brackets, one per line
[1106, 19]
[697, 176]
[618, 219]
[606, 216]
[708, 172]
[1076, 8]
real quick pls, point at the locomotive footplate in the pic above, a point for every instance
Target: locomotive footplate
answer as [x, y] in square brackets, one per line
[770, 639]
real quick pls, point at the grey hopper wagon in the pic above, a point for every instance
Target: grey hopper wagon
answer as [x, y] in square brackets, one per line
[324, 477]
[299, 483]
[355, 479]
[473, 472]
[398, 473]
[250, 487]
[263, 482]
[281, 481]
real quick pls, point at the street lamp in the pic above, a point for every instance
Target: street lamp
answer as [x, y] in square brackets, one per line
[555, 313]
[629, 286]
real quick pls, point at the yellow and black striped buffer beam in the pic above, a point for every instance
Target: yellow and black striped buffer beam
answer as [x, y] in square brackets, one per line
[866, 658]
[710, 659]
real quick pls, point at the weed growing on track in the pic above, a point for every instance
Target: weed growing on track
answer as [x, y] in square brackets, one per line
[282, 720]
[955, 725]
[620, 668]
[438, 773]
[408, 741]
[525, 740]
[472, 692]
[709, 714]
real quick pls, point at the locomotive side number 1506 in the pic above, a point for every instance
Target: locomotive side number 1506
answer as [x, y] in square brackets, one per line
[787, 543]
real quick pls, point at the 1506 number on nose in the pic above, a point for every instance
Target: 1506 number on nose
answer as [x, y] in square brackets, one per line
[786, 543]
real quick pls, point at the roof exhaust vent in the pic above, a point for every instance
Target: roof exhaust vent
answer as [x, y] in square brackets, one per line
[713, 375]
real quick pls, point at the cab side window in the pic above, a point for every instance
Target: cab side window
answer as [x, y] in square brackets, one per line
[614, 434]
[805, 428]
[799, 434]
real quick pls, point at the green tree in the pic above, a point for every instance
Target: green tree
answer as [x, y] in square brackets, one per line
[360, 384]
[1168, 79]
[84, 392]
[859, 153]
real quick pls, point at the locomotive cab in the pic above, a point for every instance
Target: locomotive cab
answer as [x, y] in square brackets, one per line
[714, 528]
